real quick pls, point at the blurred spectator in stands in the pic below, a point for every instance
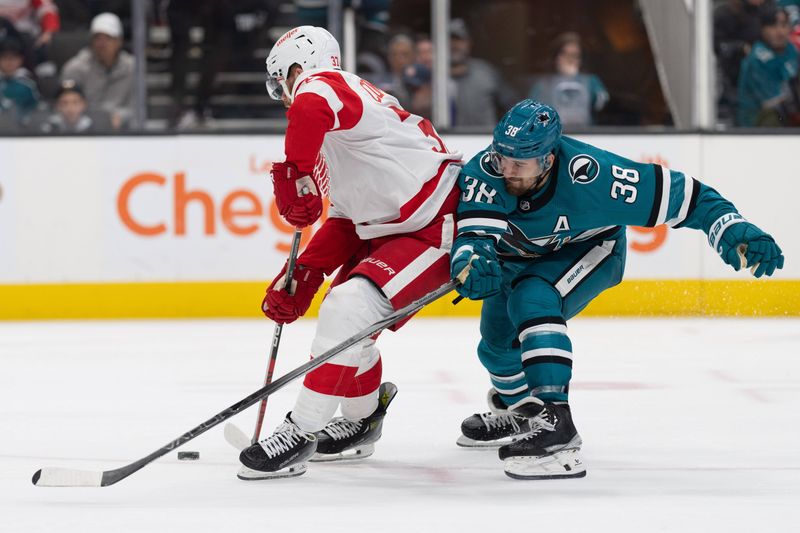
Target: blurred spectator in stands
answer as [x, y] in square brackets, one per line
[105, 71]
[736, 28]
[18, 94]
[792, 8]
[423, 51]
[400, 57]
[9, 31]
[480, 95]
[768, 81]
[72, 113]
[36, 21]
[417, 77]
[577, 96]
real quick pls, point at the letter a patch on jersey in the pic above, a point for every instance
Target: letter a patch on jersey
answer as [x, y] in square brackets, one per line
[562, 224]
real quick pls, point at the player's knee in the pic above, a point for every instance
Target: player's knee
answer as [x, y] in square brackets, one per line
[348, 309]
[496, 358]
[534, 297]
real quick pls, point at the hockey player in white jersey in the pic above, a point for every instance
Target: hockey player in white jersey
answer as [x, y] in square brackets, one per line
[393, 189]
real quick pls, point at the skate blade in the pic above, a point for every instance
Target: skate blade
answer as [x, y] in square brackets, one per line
[466, 442]
[248, 474]
[354, 454]
[563, 464]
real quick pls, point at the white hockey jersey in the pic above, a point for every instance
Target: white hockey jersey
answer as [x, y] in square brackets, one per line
[382, 167]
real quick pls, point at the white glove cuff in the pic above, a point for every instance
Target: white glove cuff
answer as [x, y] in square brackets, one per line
[719, 226]
[463, 248]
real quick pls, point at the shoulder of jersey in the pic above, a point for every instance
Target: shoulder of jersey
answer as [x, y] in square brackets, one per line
[480, 167]
[579, 163]
[328, 76]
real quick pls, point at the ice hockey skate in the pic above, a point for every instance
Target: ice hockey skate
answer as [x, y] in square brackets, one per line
[346, 440]
[282, 454]
[494, 428]
[551, 450]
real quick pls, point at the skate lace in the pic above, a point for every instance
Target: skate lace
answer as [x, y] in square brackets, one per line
[494, 420]
[544, 422]
[285, 436]
[342, 428]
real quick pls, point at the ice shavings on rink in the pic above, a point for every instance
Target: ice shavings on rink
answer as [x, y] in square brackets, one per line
[688, 425]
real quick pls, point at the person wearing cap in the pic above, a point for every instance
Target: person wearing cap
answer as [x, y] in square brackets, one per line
[71, 115]
[105, 71]
[479, 91]
[18, 93]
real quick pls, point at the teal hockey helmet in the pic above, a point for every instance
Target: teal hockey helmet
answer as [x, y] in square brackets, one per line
[528, 130]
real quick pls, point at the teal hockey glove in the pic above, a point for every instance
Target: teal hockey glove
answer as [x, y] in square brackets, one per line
[475, 257]
[742, 244]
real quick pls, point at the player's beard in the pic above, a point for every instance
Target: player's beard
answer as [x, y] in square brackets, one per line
[523, 186]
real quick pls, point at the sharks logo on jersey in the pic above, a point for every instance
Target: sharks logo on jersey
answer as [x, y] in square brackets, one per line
[488, 166]
[524, 245]
[583, 169]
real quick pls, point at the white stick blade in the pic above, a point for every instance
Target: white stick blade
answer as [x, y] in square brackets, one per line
[67, 477]
[236, 437]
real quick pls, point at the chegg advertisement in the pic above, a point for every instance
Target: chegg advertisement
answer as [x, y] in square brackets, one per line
[199, 209]
[202, 220]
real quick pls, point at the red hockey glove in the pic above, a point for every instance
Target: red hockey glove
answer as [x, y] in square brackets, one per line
[297, 197]
[283, 307]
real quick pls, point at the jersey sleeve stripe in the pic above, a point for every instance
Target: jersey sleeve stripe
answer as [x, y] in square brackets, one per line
[481, 213]
[688, 191]
[659, 185]
[692, 201]
[341, 98]
[482, 222]
[663, 209]
[480, 234]
[319, 87]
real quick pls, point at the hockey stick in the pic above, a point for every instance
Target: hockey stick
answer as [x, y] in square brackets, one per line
[233, 435]
[68, 477]
[239, 440]
[276, 336]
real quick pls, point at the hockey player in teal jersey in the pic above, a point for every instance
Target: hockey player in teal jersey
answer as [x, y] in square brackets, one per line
[542, 223]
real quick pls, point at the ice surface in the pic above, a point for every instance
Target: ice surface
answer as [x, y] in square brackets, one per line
[688, 425]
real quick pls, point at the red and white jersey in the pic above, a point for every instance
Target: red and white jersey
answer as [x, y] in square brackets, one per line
[386, 169]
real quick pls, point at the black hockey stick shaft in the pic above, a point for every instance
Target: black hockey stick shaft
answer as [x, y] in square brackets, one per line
[276, 335]
[67, 477]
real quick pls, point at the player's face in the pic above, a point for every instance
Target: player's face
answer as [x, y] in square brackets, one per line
[520, 175]
[286, 96]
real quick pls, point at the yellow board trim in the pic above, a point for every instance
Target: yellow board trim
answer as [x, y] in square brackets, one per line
[242, 300]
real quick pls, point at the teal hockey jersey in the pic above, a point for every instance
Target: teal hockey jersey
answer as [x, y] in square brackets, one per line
[590, 194]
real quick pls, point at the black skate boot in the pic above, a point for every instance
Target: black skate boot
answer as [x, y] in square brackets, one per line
[283, 454]
[551, 450]
[495, 428]
[343, 439]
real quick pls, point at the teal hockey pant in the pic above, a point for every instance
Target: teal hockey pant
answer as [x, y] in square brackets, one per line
[524, 343]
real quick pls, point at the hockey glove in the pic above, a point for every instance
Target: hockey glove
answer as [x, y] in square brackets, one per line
[283, 307]
[297, 197]
[479, 258]
[744, 245]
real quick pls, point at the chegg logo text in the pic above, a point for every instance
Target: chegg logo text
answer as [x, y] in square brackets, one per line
[240, 212]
